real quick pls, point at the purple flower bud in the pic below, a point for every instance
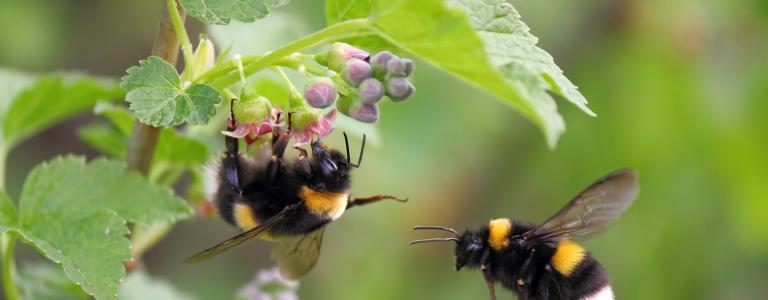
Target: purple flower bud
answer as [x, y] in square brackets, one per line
[379, 63]
[396, 67]
[320, 92]
[355, 71]
[341, 53]
[364, 112]
[371, 90]
[409, 66]
[399, 88]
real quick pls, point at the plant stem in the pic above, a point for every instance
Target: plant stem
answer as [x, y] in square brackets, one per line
[346, 29]
[144, 138]
[8, 243]
[141, 147]
[181, 33]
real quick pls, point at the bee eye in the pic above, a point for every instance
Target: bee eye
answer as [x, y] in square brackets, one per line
[474, 245]
[328, 166]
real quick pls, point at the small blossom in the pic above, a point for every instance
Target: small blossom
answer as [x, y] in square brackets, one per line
[399, 88]
[364, 112]
[341, 53]
[304, 129]
[355, 71]
[371, 90]
[320, 92]
[254, 119]
[379, 63]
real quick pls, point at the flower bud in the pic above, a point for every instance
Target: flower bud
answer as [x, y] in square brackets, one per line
[341, 53]
[399, 88]
[253, 110]
[379, 63]
[355, 71]
[364, 112]
[303, 118]
[396, 67]
[320, 92]
[371, 90]
[202, 59]
[409, 66]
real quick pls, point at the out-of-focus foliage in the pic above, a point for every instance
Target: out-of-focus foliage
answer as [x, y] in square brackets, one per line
[75, 214]
[452, 36]
[680, 89]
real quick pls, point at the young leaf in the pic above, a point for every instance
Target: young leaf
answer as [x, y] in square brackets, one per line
[75, 214]
[222, 11]
[158, 99]
[52, 99]
[480, 41]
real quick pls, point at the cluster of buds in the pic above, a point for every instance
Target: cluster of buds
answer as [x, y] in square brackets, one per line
[355, 81]
[367, 78]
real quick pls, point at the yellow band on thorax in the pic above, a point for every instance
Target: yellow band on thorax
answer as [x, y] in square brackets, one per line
[568, 256]
[498, 233]
[324, 203]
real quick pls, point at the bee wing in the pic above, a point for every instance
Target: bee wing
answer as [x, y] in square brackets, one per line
[295, 256]
[593, 210]
[240, 238]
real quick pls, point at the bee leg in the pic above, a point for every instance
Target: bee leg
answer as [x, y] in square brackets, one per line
[278, 148]
[488, 280]
[302, 163]
[231, 161]
[368, 200]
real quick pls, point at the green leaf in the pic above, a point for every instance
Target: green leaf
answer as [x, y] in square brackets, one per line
[8, 215]
[47, 281]
[172, 147]
[480, 41]
[76, 213]
[52, 99]
[158, 99]
[222, 11]
[139, 285]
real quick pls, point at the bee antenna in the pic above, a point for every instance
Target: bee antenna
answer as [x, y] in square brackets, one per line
[432, 240]
[349, 158]
[443, 228]
[346, 144]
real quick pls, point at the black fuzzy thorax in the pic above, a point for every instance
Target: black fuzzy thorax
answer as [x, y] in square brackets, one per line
[266, 197]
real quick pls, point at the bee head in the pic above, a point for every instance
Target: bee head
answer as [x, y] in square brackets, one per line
[332, 167]
[470, 246]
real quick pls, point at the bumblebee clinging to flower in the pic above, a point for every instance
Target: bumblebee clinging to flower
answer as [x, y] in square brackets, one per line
[286, 201]
[542, 261]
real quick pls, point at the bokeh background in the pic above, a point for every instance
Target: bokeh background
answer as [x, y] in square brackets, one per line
[680, 87]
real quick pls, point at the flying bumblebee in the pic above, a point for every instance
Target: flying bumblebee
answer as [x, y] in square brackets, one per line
[543, 261]
[289, 202]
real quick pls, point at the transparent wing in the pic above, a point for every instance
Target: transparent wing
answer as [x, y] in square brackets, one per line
[592, 211]
[240, 238]
[297, 255]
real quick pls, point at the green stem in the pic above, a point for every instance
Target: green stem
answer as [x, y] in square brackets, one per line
[294, 91]
[346, 29]
[181, 32]
[8, 243]
[3, 157]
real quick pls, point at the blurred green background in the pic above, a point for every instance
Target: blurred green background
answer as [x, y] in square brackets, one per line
[681, 93]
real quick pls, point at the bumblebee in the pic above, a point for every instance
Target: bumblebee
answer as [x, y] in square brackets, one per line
[543, 261]
[289, 202]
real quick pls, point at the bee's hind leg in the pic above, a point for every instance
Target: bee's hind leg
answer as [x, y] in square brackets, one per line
[368, 200]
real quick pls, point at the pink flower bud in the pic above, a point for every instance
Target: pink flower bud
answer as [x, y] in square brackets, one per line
[341, 53]
[320, 92]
